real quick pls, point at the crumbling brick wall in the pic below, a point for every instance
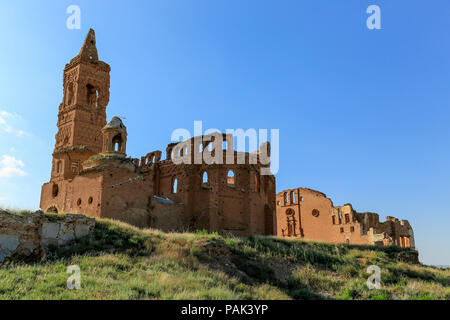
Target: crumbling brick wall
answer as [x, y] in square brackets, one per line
[166, 215]
[91, 176]
[28, 237]
[20, 236]
[306, 213]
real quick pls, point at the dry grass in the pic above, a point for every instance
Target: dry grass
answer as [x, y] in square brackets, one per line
[123, 262]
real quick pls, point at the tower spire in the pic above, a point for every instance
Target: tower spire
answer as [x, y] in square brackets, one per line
[82, 112]
[89, 50]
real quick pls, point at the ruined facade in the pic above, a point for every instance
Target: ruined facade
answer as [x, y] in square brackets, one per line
[309, 214]
[92, 175]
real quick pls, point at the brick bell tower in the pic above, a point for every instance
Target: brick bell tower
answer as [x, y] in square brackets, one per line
[82, 113]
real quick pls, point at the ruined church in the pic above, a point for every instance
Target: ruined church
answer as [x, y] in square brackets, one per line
[310, 214]
[91, 174]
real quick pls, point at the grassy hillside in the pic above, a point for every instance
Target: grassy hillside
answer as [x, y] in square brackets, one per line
[122, 262]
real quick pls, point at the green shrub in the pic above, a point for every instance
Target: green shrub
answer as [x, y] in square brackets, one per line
[380, 295]
[195, 251]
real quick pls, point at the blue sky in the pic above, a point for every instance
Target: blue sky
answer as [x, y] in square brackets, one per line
[364, 115]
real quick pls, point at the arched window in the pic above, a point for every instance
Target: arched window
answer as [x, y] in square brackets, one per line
[52, 209]
[69, 94]
[92, 95]
[231, 178]
[55, 190]
[117, 143]
[205, 177]
[175, 185]
[97, 94]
